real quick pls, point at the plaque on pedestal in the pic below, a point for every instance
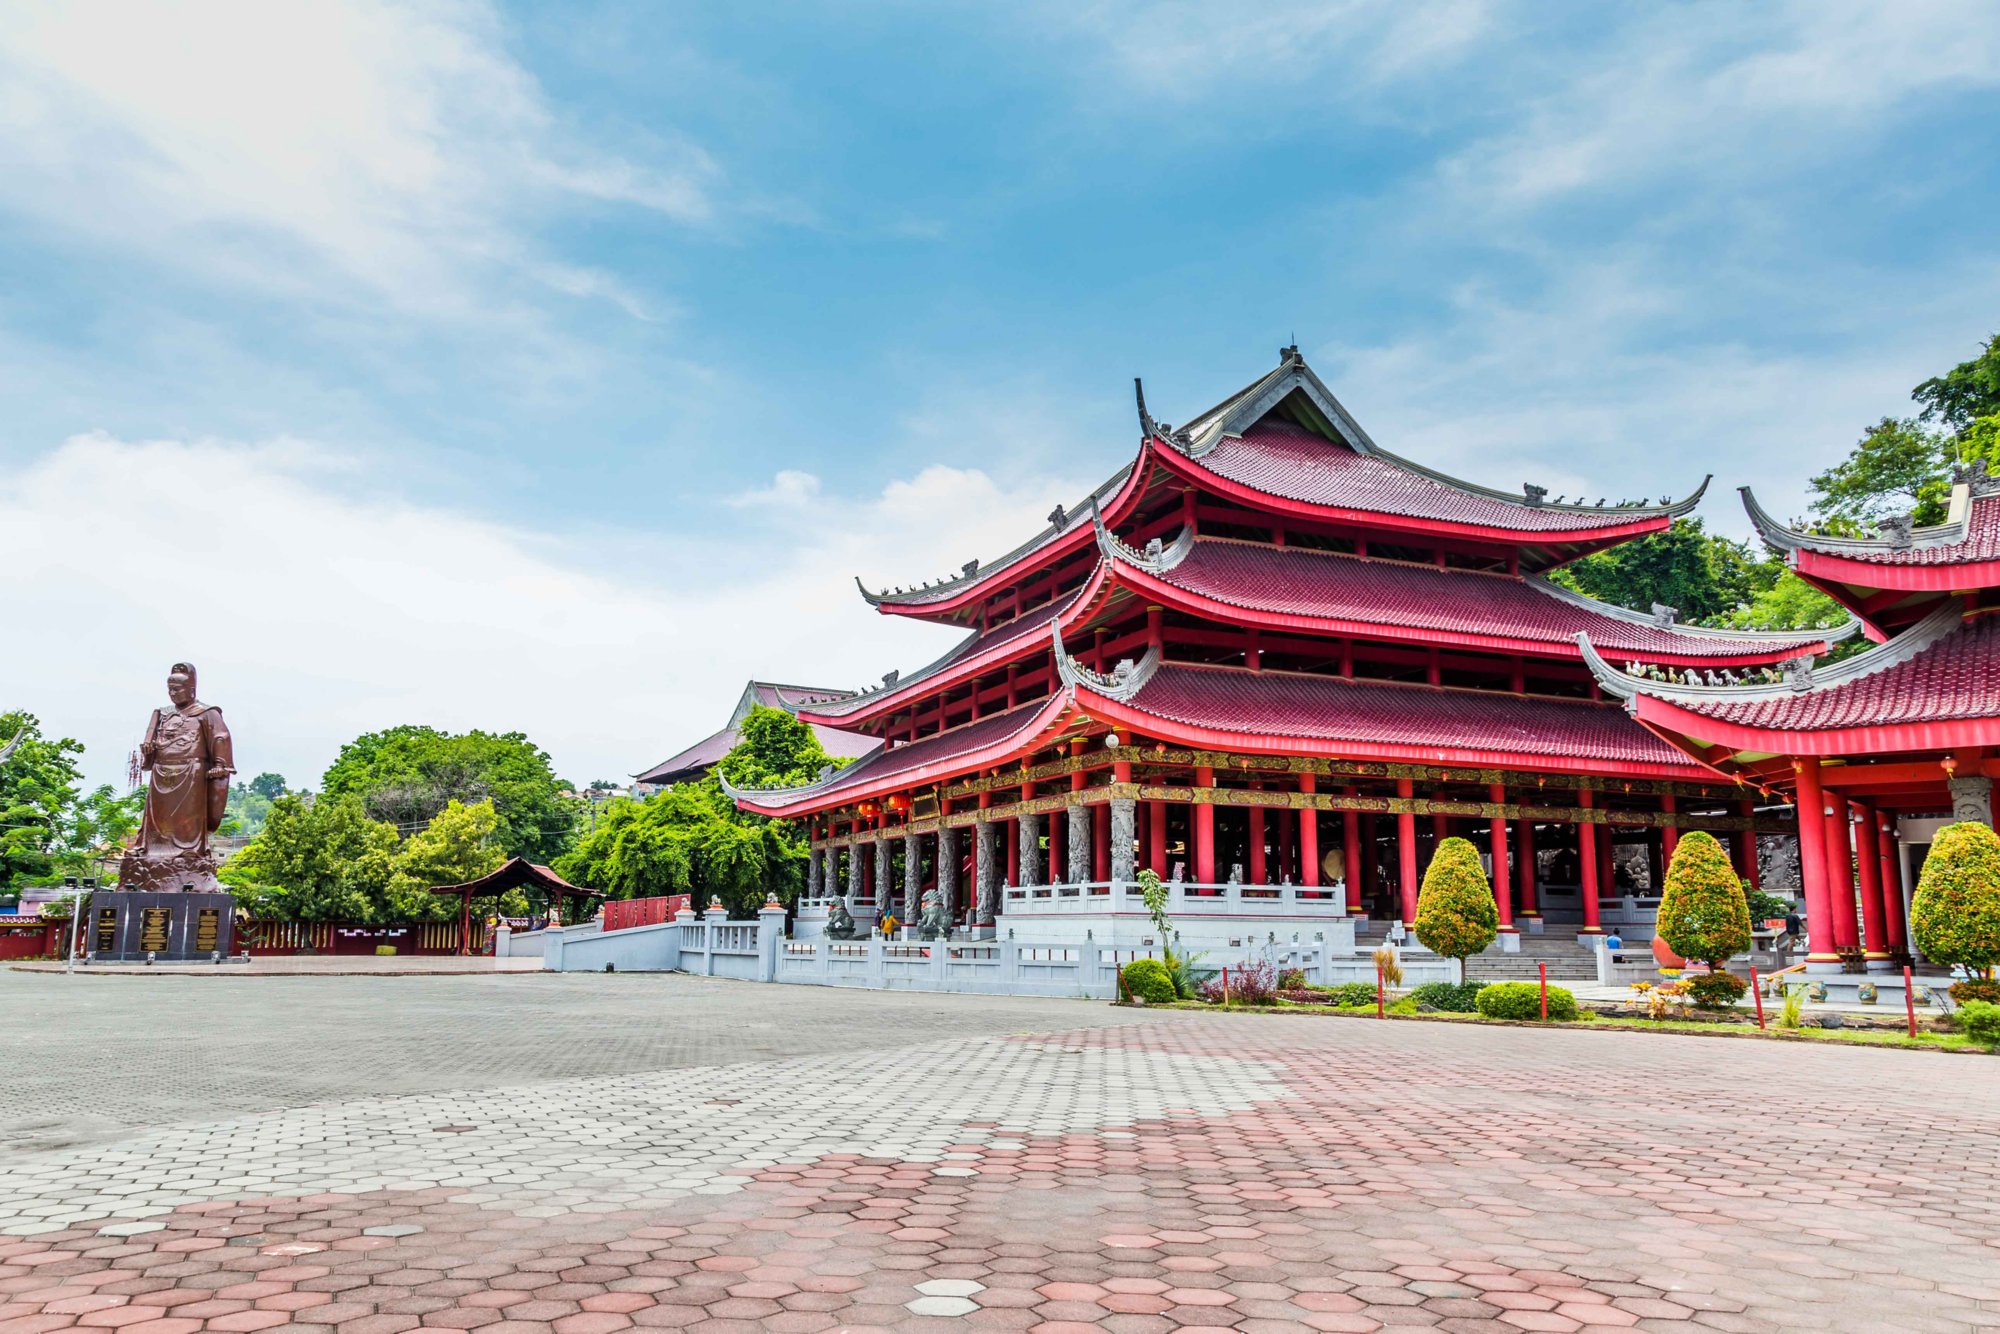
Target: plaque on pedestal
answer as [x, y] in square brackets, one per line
[134, 926]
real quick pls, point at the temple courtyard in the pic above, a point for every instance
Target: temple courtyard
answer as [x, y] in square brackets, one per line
[588, 1154]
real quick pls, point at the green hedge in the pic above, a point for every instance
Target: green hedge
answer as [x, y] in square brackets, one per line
[1522, 1000]
[1981, 1022]
[1149, 981]
[1457, 997]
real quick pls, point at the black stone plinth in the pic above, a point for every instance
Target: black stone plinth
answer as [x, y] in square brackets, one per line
[128, 926]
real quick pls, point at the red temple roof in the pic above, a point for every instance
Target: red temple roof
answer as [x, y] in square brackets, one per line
[1337, 594]
[1271, 712]
[990, 740]
[980, 651]
[1971, 534]
[1935, 685]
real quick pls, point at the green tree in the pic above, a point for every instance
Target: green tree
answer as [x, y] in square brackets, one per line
[692, 840]
[1456, 916]
[98, 825]
[245, 814]
[1685, 567]
[323, 862]
[1703, 913]
[1788, 603]
[457, 846]
[269, 786]
[406, 775]
[1966, 392]
[1898, 467]
[39, 785]
[1955, 916]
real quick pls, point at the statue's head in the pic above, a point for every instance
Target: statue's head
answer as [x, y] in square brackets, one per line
[180, 683]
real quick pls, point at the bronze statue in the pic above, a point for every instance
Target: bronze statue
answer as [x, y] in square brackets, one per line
[188, 753]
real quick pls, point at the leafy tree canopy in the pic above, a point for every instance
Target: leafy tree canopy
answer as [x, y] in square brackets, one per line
[1686, 567]
[50, 827]
[692, 840]
[407, 775]
[1898, 467]
[1966, 392]
[455, 847]
[1703, 911]
[269, 786]
[1456, 915]
[326, 861]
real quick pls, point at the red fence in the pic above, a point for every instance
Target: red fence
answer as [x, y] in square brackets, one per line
[264, 936]
[31, 938]
[622, 913]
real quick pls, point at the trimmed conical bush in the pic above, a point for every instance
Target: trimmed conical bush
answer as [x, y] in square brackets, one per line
[1955, 917]
[1703, 912]
[1455, 912]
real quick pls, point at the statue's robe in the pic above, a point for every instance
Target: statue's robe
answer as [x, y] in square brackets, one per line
[192, 759]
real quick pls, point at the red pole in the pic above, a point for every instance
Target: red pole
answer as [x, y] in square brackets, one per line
[1225, 988]
[1757, 994]
[1543, 969]
[1909, 1000]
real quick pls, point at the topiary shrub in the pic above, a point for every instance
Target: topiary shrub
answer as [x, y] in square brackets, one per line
[1456, 997]
[1149, 981]
[1981, 1022]
[1716, 991]
[1982, 989]
[1522, 1000]
[1955, 916]
[1455, 912]
[1703, 914]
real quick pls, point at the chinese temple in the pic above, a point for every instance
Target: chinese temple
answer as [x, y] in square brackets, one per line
[1274, 663]
[1885, 746]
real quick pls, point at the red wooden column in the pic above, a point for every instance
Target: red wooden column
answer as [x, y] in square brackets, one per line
[1371, 871]
[1874, 913]
[1524, 866]
[1100, 842]
[1308, 837]
[1746, 845]
[1350, 856]
[1156, 837]
[1822, 955]
[1440, 826]
[1892, 884]
[1288, 841]
[465, 923]
[1204, 830]
[1670, 836]
[1058, 869]
[1840, 872]
[1496, 833]
[1010, 874]
[1406, 851]
[1260, 871]
[1586, 859]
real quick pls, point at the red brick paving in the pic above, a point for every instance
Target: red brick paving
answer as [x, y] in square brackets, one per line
[1601, 1183]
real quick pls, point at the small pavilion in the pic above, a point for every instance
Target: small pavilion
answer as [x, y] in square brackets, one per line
[1883, 747]
[515, 873]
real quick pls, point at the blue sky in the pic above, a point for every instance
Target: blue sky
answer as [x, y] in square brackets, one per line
[556, 367]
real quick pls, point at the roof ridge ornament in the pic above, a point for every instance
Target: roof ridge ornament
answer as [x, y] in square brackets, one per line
[1120, 684]
[1158, 557]
[1664, 616]
[1798, 674]
[1535, 495]
[1896, 530]
[1149, 429]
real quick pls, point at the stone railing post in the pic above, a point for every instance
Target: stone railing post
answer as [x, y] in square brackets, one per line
[711, 930]
[1078, 838]
[770, 939]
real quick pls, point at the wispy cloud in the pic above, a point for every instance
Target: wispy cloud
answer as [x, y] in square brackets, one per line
[358, 154]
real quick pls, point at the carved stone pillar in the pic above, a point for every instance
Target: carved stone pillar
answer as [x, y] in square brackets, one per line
[855, 868]
[947, 872]
[987, 872]
[913, 877]
[1079, 845]
[1124, 827]
[813, 855]
[885, 874]
[1029, 872]
[1972, 799]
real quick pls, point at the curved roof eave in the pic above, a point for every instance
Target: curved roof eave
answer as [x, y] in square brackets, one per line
[1826, 639]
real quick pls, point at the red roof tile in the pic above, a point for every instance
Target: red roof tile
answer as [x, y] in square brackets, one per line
[1321, 708]
[1954, 678]
[1302, 582]
[1281, 458]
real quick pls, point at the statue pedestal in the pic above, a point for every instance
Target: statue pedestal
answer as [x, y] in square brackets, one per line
[133, 926]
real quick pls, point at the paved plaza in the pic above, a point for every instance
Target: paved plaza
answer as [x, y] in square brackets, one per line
[591, 1154]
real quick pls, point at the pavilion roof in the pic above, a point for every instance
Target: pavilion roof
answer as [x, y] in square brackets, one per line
[702, 756]
[1273, 712]
[1969, 534]
[1335, 593]
[516, 873]
[1936, 684]
[944, 754]
[979, 651]
[1284, 440]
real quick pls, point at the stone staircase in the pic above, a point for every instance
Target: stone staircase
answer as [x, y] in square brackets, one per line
[1557, 946]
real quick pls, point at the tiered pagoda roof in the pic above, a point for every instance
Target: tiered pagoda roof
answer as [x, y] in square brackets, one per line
[1370, 559]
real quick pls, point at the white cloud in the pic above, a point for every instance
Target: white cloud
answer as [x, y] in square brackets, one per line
[1711, 98]
[789, 489]
[317, 606]
[350, 152]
